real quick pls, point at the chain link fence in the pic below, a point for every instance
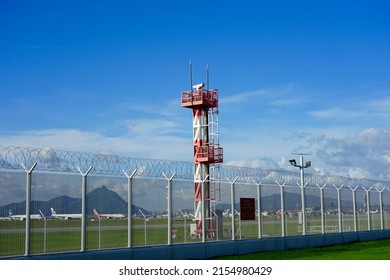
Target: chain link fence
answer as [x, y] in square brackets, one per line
[60, 201]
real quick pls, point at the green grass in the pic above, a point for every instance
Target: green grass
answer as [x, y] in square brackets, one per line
[67, 236]
[112, 235]
[367, 250]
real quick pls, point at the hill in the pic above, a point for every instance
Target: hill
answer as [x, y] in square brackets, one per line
[104, 200]
[271, 203]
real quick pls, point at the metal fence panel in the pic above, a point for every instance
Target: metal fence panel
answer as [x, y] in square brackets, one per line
[161, 194]
[12, 223]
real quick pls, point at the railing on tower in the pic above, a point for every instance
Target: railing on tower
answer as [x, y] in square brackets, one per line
[201, 97]
[207, 151]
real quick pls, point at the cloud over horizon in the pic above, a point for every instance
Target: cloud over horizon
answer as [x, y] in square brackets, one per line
[365, 154]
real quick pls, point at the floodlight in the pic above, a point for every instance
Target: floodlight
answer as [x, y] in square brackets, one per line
[198, 86]
[302, 185]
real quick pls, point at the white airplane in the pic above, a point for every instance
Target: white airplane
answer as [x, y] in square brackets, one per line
[107, 216]
[54, 215]
[23, 217]
[264, 213]
[332, 212]
[5, 219]
[226, 213]
[186, 214]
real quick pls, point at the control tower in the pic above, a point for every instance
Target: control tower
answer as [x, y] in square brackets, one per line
[207, 152]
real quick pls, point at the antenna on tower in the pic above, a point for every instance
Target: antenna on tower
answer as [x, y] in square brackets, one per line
[190, 75]
[207, 76]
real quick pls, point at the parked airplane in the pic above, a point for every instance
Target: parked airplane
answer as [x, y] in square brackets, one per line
[107, 216]
[332, 212]
[226, 213]
[264, 213]
[23, 217]
[186, 214]
[54, 215]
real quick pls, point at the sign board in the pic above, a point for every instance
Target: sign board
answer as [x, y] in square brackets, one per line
[247, 209]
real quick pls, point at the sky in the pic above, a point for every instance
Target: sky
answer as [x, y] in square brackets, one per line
[293, 77]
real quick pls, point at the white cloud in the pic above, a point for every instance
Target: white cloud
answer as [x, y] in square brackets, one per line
[149, 141]
[364, 154]
[358, 173]
[380, 107]
[56, 138]
[244, 96]
[361, 155]
[275, 96]
[168, 109]
[367, 107]
[263, 163]
[149, 127]
[254, 139]
[336, 113]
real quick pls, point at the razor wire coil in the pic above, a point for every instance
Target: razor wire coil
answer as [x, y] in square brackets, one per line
[52, 160]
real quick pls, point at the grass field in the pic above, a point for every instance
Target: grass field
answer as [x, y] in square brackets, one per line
[368, 250]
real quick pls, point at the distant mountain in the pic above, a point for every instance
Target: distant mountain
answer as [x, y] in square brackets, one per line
[109, 202]
[63, 204]
[293, 201]
[104, 200]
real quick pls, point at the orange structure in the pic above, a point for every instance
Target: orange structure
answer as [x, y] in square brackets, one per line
[207, 151]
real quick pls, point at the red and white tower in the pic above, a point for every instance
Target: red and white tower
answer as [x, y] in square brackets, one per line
[207, 151]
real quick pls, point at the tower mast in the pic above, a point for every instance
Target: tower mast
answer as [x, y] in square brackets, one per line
[206, 149]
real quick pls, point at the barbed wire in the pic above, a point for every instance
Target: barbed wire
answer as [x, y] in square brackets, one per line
[104, 163]
[53, 160]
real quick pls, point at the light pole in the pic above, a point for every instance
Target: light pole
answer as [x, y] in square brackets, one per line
[302, 185]
[145, 220]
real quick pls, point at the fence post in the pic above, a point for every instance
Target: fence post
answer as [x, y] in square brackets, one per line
[339, 205]
[203, 210]
[129, 205]
[232, 199]
[354, 207]
[385, 217]
[282, 207]
[259, 219]
[28, 208]
[169, 201]
[302, 186]
[381, 206]
[83, 207]
[368, 207]
[322, 207]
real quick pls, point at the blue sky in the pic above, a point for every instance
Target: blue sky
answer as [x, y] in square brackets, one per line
[293, 76]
